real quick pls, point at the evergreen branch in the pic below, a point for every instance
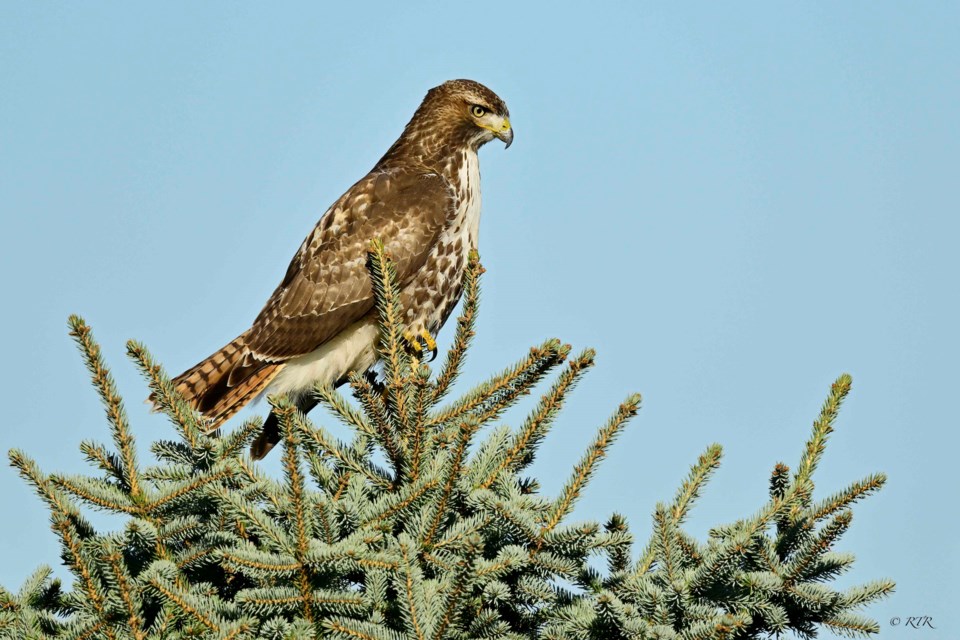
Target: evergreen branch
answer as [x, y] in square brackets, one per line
[221, 471]
[349, 629]
[255, 478]
[217, 549]
[865, 594]
[409, 582]
[267, 599]
[234, 443]
[335, 402]
[707, 463]
[79, 563]
[508, 559]
[505, 513]
[689, 491]
[259, 522]
[387, 433]
[105, 460]
[319, 442]
[847, 497]
[452, 473]
[524, 445]
[741, 537]
[393, 503]
[396, 362]
[289, 600]
[248, 558]
[852, 625]
[322, 508]
[129, 594]
[588, 464]
[572, 540]
[458, 586]
[295, 491]
[418, 436]
[463, 530]
[198, 556]
[619, 555]
[55, 499]
[816, 546]
[438, 560]
[487, 399]
[85, 629]
[822, 428]
[113, 404]
[97, 493]
[344, 601]
[342, 485]
[567, 568]
[239, 630]
[779, 480]
[173, 452]
[665, 548]
[160, 577]
[347, 555]
[464, 332]
[165, 396]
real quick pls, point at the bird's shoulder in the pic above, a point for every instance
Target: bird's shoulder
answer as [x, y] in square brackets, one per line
[327, 286]
[386, 203]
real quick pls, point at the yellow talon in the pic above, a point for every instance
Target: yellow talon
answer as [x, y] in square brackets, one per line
[429, 342]
[413, 344]
[420, 343]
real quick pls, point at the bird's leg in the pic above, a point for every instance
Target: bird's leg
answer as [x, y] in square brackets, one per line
[420, 343]
[430, 344]
[270, 433]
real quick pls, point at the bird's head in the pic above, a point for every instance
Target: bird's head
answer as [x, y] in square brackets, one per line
[472, 111]
[456, 114]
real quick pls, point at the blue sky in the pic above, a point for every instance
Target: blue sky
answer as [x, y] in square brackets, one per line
[733, 204]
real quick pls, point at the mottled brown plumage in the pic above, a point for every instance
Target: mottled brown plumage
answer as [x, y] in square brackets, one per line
[422, 200]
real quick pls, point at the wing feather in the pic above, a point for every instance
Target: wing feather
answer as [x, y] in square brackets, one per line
[327, 286]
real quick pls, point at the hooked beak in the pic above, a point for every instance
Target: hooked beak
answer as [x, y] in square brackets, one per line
[505, 134]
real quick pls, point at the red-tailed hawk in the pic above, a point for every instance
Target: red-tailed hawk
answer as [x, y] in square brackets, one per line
[422, 200]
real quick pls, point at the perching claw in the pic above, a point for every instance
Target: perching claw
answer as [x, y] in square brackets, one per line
[420, 343]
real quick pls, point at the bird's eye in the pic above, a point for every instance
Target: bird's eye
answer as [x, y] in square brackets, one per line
[478, 111]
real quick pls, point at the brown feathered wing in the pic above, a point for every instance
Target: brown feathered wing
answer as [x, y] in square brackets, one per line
[327, 286]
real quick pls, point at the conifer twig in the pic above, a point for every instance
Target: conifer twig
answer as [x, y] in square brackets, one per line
[286, 413]
[166, 396]
[396, 362]
[489, 398]
[588, 464]
[464, 332]
[386, 433]
[458, 585]
[453, 473]
[689, 490]
[536, 425]
[335, 402]
[855, 492]
[107, 388]
[822, 428]
[415, 442]
[320, 442]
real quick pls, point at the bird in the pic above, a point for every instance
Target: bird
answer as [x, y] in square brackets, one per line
[422, 201]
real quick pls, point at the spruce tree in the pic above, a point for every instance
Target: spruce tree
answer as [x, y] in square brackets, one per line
[422, 525]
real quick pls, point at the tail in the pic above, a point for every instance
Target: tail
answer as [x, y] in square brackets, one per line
[224, 383]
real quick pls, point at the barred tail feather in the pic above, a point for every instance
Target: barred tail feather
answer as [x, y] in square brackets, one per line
[222, 384]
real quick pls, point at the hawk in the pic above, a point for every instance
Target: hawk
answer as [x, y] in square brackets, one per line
[422, 200]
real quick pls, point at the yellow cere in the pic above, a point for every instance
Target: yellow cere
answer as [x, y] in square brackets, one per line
[504, 126]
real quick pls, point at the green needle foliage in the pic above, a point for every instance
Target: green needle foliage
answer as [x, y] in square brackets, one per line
[420, 526]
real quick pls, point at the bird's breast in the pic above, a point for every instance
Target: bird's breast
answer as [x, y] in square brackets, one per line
[431, 297]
